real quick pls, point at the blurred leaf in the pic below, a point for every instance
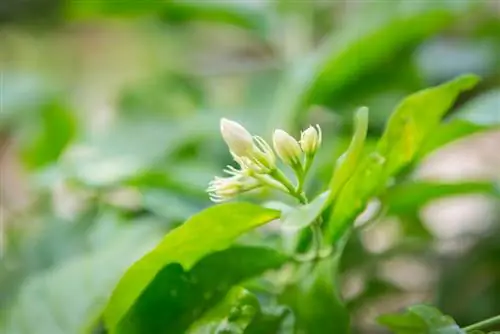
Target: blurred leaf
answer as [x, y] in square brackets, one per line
[57, 129]
[409, 197]
[22, 95]
[232, 315]
[64, 299]
[305, 215]
[175, 298]
[408, 323]
[352, 51]
[176, 11]
[348, 161]
[420, 319]
[210, 230]
[415, 118]
[315, 302]
[374, 289]
[131, 147]
[442, 58]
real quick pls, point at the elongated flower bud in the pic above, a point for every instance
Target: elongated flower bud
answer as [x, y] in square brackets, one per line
[310, 140]
[287, 148]
[225, 188]
[237, 138]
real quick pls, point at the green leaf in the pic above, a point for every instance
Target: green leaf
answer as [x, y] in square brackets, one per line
[348, 54]
[116, 155]
[315, 301]
[479, 114]
[211, 230]
[348, 161]
[411, 123]
[408, 323]
[421, 319]
[305, 215]
[232, 315]
[240, 312]
[273, 319]
[414, 120]
[66, 298]
[366, 181]
[447, 133]
[175, 11]
[57, 129]
[409, 197]
[175, 298]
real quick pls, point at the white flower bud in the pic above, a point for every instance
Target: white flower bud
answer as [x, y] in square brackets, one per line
[237, 138]
[287, 148]
[225, 188]
[310, 139]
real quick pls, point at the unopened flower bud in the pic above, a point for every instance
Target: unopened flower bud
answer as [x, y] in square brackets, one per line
[223, 189]
[237, 138]
[310, 140]
[287, 148]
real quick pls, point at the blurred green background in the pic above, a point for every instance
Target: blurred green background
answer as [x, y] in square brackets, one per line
[109, 136]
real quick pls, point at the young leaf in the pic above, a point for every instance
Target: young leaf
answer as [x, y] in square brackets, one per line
[348, 161]
[415, 118]
[305, 215]
[210, 230]
[479, 114]
[412, 121]
[364, 183]
[176, 298]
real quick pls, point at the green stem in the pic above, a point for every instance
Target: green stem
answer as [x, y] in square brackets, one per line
[301, 178]
[482, 324]
[281, 178]
[316, 238]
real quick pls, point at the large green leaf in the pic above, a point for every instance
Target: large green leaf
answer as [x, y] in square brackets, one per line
[175, 298]
[354, 50]
[66, 298]
[420, 319]
[211, 230]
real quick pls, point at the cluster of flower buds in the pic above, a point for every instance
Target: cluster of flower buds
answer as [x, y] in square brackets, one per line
[257, 161]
